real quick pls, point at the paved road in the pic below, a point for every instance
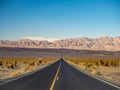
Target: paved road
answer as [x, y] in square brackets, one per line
[71, 79]
[40, 80]
[68, 79]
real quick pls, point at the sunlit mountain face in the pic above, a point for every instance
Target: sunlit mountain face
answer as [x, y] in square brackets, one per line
[102, 43]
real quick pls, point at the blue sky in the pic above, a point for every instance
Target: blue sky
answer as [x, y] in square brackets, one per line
[59, 19]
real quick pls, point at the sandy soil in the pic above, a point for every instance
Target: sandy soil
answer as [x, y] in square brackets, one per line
[111, 74]
[6, 73]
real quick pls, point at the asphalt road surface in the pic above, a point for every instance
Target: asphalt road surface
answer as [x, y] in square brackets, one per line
[68, 79]
[40, 80]
[71, 79]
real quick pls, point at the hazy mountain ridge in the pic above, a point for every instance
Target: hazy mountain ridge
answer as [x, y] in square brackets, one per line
[102, 43]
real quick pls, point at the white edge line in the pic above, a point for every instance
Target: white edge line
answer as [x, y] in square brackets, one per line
[24, 75]
[118, 87]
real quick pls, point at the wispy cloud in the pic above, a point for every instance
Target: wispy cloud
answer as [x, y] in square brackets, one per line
[40, 38]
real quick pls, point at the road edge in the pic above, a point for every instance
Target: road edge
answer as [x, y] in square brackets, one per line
[25, 74]
[100, 79]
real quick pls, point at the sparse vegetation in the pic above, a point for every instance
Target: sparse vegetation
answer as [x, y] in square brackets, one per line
[95, 72]
[106, 68]
[95, 62]
[91, 65]
[11, 67]
[6, 62]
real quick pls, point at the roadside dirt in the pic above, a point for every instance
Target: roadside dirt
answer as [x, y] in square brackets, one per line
[111, 74]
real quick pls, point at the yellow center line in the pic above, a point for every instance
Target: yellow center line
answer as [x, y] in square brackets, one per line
[55, 78]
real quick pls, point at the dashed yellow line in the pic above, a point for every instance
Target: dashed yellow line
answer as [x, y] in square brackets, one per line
[55, 78]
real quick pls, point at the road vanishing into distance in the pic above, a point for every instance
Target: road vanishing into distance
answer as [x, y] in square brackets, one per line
[57, 76]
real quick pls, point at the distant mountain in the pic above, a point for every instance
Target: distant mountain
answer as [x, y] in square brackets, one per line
[103, 43]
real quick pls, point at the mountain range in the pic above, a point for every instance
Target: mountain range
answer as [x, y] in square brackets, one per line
[102, 43]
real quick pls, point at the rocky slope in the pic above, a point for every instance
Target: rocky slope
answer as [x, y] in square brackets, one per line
[103, 43]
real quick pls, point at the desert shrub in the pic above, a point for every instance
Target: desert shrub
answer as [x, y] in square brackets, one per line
[111, 63]
[40, 61]
[101, 62]
[106, 63]
[1, 63]
[96, 62]
[11, 62]
[31, 64]
[88, 64]
[95, 72]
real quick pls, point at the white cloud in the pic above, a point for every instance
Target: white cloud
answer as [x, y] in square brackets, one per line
[40, 38]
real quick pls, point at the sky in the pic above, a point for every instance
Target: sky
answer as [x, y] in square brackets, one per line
[59, 19]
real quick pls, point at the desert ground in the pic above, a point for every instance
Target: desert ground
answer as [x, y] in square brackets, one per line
[110, 71]
[11, 67]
